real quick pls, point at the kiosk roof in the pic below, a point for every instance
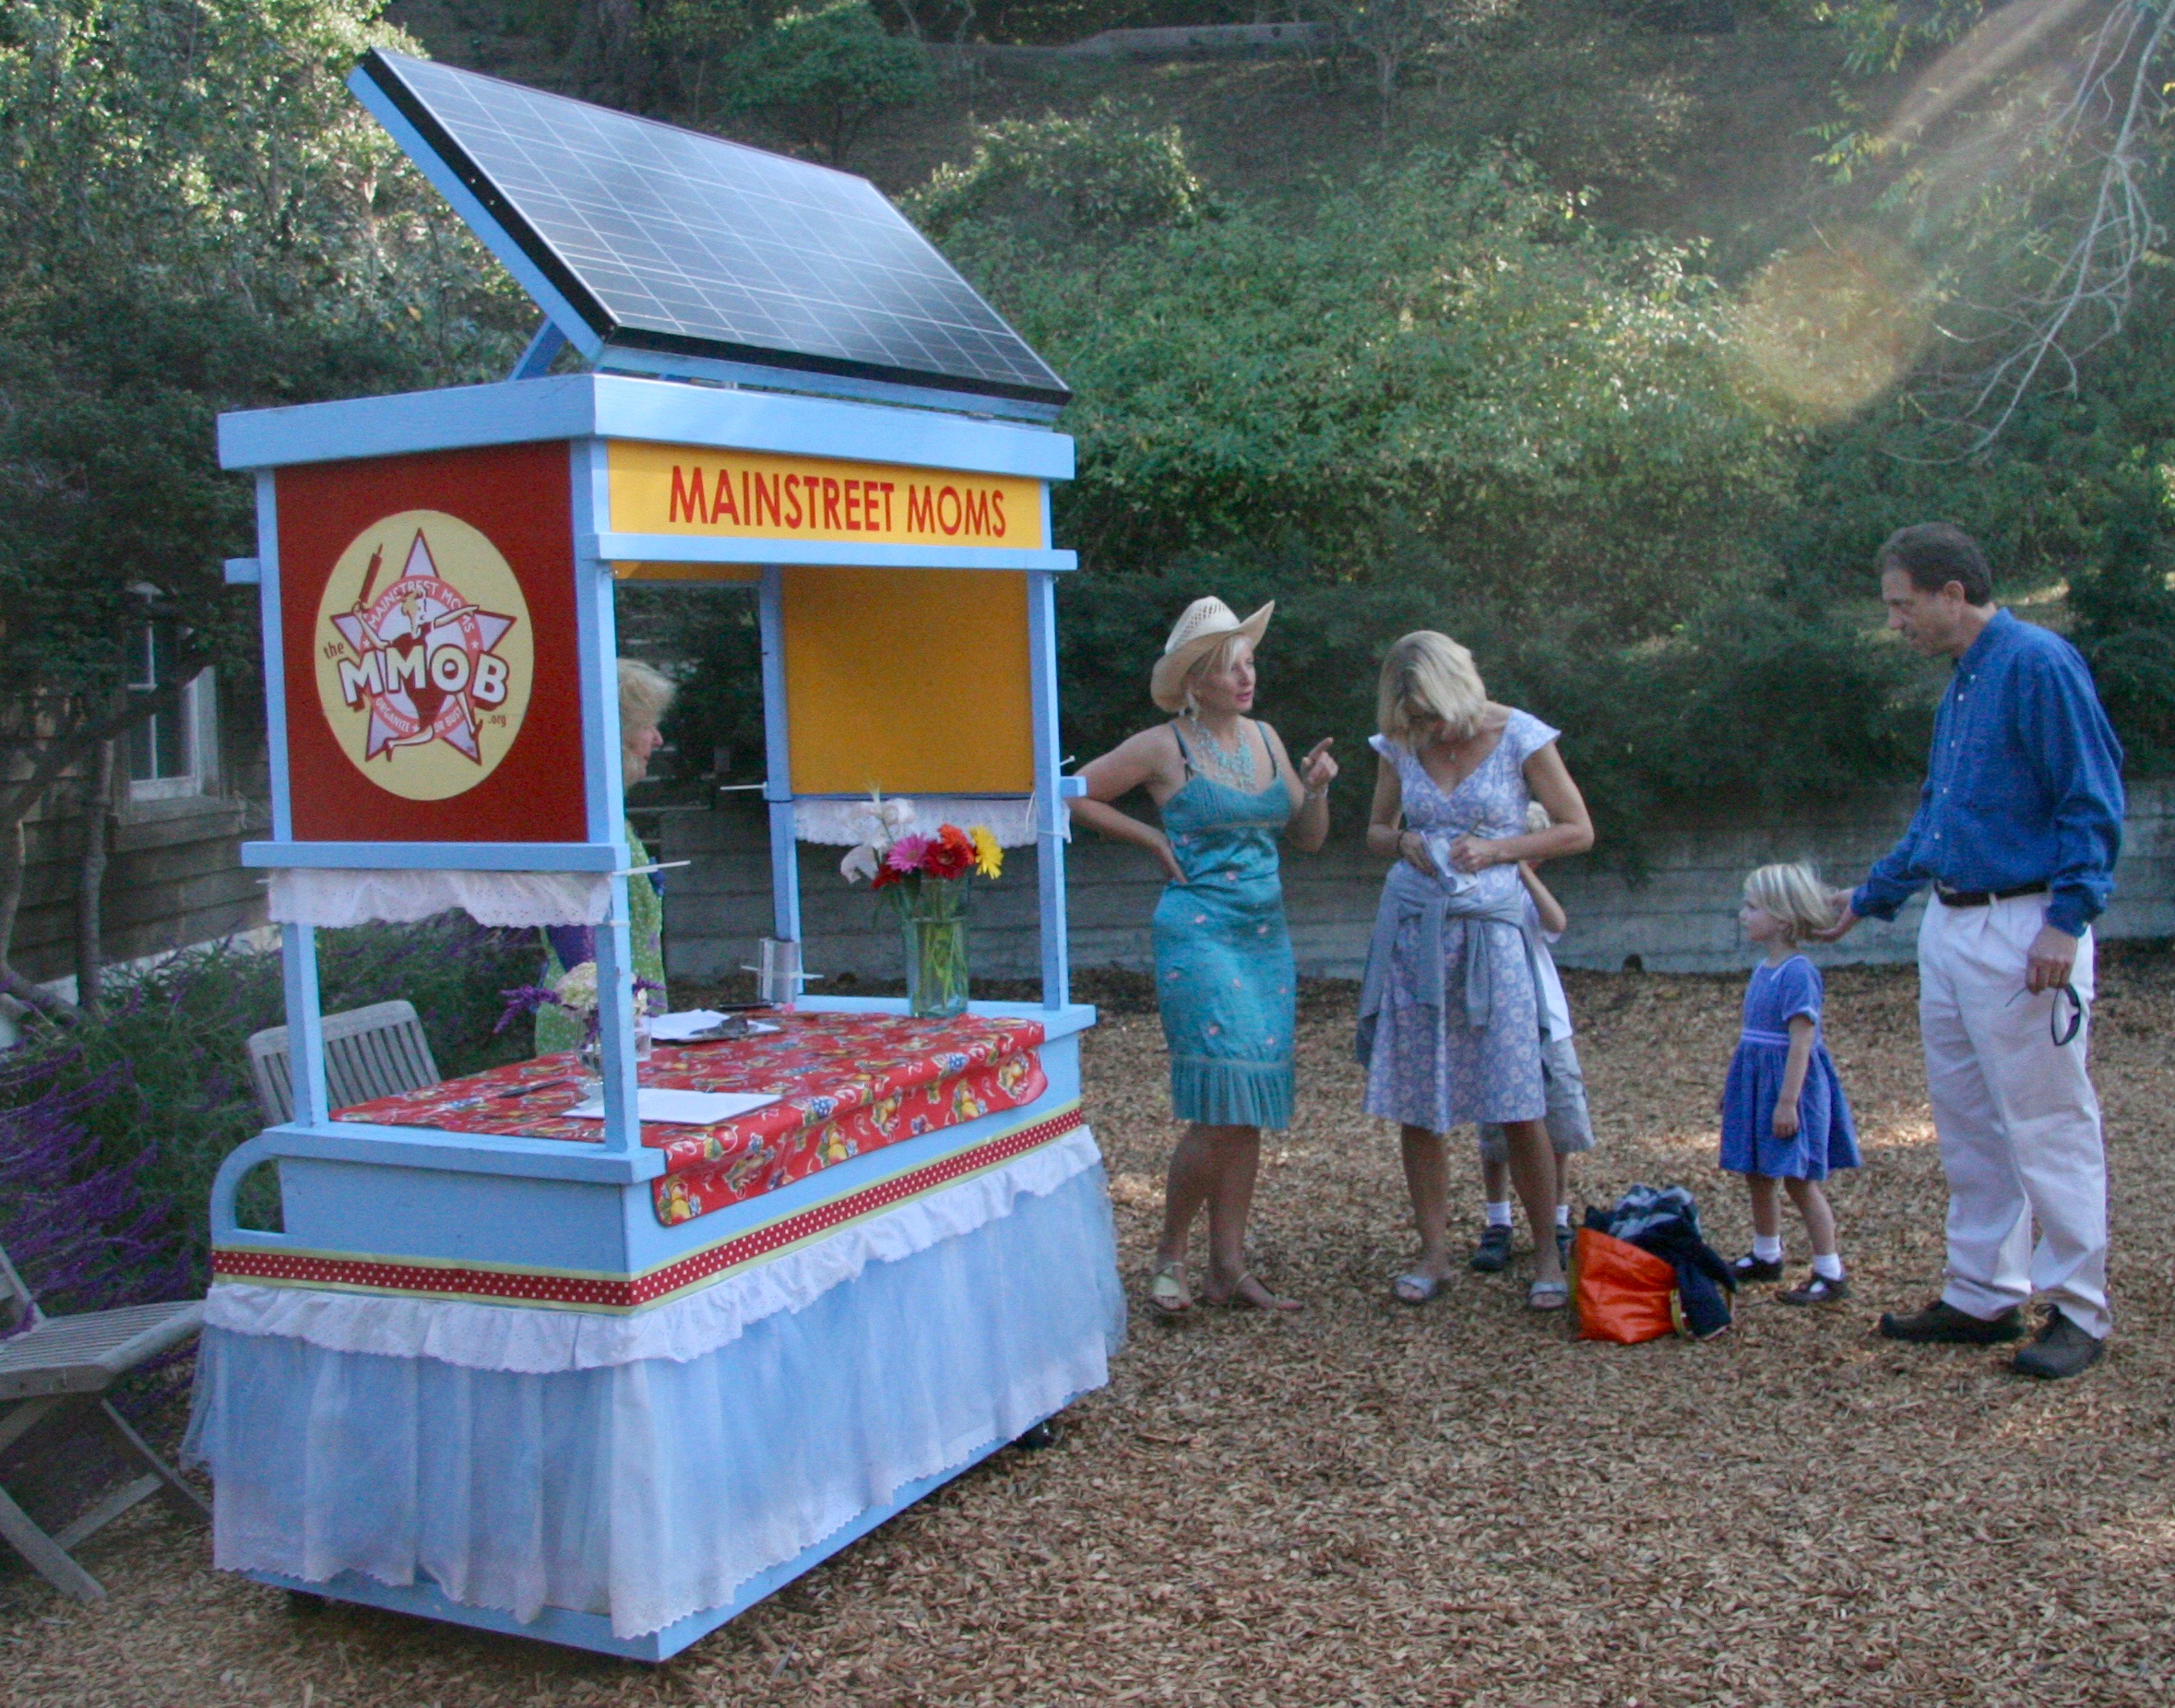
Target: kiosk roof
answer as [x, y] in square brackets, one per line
[668, 240]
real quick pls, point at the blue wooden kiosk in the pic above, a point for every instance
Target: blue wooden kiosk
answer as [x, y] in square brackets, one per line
[486, 1377]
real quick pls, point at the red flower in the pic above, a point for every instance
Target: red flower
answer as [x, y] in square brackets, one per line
[886, 877]
[950, 855]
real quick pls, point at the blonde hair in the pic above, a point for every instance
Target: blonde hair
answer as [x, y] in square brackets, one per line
[1218, 657]
[645, 695]
[1793, 894]
[1429, 676]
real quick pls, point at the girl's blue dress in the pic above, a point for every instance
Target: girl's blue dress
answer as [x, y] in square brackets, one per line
[1826, 1136]
[1224, 975]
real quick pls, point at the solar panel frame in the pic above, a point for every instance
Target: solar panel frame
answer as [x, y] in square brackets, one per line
[663, 284]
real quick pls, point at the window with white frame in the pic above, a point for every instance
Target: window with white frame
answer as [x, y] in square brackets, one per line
[175, 750]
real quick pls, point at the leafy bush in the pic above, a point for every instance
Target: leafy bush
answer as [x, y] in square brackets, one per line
[161, 1079]
[1448, 351]
[1101, 173]
[821, 74]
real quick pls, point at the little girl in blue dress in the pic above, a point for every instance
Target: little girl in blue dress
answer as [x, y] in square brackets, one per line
[1785, 1123]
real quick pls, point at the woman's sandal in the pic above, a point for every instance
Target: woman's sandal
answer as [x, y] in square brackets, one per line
[1416, 1289]
[1236, 1299]
[1167, 1293]
[1548, 1296]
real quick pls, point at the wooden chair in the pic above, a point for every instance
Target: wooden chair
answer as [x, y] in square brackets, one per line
[59, 1363]
[369, 1052]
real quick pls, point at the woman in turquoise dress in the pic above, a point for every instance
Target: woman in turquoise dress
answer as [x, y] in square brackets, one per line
[1226, 790]
[645, 695]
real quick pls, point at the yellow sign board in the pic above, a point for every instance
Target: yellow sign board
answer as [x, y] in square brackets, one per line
[912, 681]
[703, 493]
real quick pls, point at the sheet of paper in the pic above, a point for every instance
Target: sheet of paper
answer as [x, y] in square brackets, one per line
[677, 1028]
[686, 1108]
[672, 1028]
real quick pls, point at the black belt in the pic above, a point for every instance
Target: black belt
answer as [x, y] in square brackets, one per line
[1980, 898]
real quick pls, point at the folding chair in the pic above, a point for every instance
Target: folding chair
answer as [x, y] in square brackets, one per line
[369, 1052]
[59, 1363]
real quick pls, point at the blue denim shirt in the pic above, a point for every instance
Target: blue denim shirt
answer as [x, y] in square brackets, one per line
[2024, 786]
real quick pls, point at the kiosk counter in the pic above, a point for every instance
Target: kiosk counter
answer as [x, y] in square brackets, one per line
[600, 1379]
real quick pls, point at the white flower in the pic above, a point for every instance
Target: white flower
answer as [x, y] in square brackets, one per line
[897, 816]
[862, 861]
[578, 987]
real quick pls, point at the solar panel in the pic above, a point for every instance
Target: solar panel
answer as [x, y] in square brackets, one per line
[667, 240]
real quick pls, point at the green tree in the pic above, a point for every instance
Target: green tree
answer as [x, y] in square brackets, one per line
[197, 217]
[820, 76]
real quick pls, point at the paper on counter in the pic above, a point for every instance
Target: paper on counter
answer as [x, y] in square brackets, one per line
[685, 1108]
[678, 1027]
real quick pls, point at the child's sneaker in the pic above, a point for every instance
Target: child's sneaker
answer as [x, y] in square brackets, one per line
[1492, 1254]
[1750, 1268]
[1817, 1290]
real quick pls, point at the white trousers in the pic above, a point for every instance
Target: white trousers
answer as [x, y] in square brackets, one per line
[2016, 1115]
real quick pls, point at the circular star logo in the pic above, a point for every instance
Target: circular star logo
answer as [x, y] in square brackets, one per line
[424, 655]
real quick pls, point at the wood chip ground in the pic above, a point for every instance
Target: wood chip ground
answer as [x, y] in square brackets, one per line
[1369, 1503]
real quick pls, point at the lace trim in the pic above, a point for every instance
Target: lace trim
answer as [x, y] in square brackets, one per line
[306, 895]
[842, 823]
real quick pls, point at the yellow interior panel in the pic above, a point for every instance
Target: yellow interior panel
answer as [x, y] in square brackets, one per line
[910, 680]
[687, 572]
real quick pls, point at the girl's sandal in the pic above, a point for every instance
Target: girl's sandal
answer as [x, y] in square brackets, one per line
[1167, 1293]
[1548, 1296]
[1248, 1294]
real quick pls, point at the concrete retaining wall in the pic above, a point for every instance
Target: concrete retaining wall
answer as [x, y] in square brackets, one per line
[1680, 916]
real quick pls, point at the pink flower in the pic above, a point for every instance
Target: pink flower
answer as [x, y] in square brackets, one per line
[907, 853]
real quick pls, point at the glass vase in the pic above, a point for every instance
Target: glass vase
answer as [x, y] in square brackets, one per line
[935, 963]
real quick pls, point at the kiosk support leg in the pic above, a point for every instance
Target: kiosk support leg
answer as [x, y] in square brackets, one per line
[778, 788]
[1050, 812]
[305, 1032]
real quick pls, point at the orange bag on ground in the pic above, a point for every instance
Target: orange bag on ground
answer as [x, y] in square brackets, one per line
[1621, 1293]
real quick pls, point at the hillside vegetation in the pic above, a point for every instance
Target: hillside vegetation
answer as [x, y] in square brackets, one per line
[1607, 338]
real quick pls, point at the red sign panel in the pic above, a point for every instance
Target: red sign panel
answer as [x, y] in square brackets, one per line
[427, 609]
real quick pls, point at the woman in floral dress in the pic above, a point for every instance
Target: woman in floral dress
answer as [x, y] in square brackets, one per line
[1450, 1019]
[1224, 975]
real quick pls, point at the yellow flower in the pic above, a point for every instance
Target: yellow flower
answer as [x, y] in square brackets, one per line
[989, 859]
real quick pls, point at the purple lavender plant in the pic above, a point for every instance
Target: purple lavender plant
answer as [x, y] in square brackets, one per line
[80, 1232]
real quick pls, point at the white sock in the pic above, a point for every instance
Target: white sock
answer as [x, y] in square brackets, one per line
[1499, 1215]
[1562, 1215]
[1828, 1268]
[1768, 1248]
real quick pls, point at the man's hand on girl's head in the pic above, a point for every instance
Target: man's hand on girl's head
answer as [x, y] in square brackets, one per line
[1845, 918]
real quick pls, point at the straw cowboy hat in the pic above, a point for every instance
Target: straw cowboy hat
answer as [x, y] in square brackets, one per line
[1206, 624]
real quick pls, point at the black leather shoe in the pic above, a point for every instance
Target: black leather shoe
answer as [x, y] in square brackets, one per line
[2061, 1348]
[1750, 1268]
[1492, 1254]
[1816, 1289]
[1943, 1321]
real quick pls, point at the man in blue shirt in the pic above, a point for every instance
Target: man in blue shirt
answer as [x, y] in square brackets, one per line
[2017, 830]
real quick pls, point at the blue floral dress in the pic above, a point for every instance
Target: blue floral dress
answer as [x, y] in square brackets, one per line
[1224, 973]
[1826, 1136]
[1427, 1064]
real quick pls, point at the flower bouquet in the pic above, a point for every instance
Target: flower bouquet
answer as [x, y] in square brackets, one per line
[574, 990]
[924, 881]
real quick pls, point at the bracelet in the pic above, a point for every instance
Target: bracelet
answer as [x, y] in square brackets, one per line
[1318, 794]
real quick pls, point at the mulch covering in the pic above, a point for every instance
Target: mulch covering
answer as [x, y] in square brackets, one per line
[846, 1084]
[1369, 1503]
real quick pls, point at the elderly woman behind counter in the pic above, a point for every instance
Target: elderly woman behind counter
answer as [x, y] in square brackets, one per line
[1224, 975]
[645, 695]
[1450, 1015]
